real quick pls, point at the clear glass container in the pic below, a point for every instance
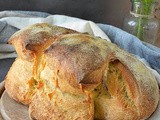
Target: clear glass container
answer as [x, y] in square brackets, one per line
[141, 21]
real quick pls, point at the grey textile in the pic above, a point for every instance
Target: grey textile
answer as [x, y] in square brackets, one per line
[6, 31]
[5, 64]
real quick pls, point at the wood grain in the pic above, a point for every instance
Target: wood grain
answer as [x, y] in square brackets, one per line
[1, 91]
[1, 88]
[12, 110]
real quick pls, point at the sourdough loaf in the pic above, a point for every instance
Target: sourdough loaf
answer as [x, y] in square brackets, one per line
[65, 75]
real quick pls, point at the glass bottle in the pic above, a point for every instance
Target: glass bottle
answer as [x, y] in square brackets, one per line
[141, 21]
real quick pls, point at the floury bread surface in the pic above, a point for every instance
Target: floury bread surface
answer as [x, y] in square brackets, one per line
[65, 75]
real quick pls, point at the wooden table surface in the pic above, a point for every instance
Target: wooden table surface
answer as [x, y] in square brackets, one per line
[1, 91]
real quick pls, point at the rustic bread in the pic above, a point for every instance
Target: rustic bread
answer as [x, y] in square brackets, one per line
[29, 43]
[68, 75]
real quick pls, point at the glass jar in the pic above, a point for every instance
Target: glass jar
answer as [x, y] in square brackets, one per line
[141, 21]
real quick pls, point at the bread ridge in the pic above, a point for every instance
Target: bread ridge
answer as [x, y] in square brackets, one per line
[35, 39]
[147, 85]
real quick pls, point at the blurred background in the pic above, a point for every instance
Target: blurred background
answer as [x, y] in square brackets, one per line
[100, 11]
[110, 12]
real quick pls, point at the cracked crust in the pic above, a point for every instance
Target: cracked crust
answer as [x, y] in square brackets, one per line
[35, 39]
[29, 43]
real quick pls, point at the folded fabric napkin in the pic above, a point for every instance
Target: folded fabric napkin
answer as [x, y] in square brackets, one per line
[12, 21]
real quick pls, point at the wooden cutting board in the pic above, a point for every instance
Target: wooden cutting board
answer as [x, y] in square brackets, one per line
[1, 92]
[12, 110]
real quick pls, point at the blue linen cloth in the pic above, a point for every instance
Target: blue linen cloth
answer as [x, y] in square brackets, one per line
[133, 45]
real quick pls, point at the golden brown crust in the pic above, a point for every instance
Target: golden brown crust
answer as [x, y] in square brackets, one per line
[35, 38]
[62, 106]
[80, 74]
[147, 88]
[16, 81]
[80, 58]
[30, 44]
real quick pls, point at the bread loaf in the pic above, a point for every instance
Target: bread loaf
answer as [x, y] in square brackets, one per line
[65, 75]
[29, 44]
